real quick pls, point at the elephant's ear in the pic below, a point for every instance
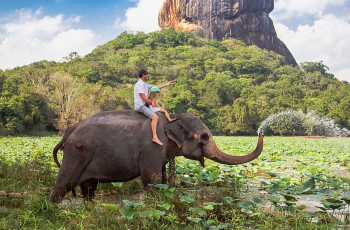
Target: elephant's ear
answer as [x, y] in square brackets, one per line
[174, 130]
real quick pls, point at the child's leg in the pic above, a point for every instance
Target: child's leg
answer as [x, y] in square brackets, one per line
[166, 114]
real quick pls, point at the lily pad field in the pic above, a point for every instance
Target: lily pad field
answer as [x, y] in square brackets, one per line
[296, 183]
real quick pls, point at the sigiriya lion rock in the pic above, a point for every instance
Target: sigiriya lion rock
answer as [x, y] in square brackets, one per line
[245, 20]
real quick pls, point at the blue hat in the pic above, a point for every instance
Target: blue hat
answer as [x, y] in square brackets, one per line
[155, 89]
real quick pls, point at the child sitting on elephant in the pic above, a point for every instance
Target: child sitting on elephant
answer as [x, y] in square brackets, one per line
[154, 92]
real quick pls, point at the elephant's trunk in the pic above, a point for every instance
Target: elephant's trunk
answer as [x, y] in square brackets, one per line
[212, 152]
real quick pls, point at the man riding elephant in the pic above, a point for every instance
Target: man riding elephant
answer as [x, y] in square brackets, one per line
[142, 102]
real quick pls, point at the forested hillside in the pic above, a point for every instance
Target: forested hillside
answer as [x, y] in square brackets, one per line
[230, 86]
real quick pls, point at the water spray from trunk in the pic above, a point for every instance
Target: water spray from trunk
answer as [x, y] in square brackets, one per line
[290, 122]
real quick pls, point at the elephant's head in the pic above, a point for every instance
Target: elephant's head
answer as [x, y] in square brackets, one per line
[195, 141]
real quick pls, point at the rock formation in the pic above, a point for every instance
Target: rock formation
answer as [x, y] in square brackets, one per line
[245, 20]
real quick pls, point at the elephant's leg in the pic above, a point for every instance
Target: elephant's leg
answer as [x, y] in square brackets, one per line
[151, 176]
[88, 188]
[68, 175]
[63, 184]
[150, 165]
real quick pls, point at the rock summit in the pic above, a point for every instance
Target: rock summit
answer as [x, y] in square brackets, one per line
[245, 20]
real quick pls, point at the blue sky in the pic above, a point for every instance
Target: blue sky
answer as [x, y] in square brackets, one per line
[30, 31]
[96, 15]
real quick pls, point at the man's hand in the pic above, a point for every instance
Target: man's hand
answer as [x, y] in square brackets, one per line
[166, 84]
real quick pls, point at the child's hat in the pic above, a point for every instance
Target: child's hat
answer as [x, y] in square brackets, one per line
[155, 89]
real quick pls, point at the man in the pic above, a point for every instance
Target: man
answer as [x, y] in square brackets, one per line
[142, 102]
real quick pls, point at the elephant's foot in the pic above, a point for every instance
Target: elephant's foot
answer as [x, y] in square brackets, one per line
[88, 189]
[151, 178]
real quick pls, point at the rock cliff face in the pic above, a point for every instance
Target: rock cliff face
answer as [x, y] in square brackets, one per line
[245, 20]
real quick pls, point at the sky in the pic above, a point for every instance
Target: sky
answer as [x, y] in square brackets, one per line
[30, 31]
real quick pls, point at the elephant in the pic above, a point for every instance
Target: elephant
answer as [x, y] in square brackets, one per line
[116, 146]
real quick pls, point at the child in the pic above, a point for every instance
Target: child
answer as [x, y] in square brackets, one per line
[154, 91]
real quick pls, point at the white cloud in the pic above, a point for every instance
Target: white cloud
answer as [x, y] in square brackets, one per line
[327, 40]
[287, 9]
[31, 37]
[143, 17]
[343, 74]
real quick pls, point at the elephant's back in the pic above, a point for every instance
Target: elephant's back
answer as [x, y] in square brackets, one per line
[123, 122]
[116, 117]
[125, 114]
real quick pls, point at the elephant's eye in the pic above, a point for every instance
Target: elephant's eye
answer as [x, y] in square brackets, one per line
[204, 137]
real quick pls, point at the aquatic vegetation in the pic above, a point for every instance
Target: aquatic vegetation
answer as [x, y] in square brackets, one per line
[273, 191]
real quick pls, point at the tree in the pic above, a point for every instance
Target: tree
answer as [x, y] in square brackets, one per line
[73, 56]
[231, 86]
[311, 67]
[60, 90]
[11, 116]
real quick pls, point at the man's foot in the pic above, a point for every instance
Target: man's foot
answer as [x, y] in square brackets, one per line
[157, 141]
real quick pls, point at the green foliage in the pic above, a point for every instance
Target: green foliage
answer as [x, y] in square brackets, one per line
[230, 86]
[312, 67]
[22, 110]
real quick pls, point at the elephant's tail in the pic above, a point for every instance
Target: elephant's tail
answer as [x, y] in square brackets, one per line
[59, 146]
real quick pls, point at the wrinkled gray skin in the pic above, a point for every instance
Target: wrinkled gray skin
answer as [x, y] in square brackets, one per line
[117, 146]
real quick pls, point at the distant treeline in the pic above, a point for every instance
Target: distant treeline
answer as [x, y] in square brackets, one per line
[230, 86]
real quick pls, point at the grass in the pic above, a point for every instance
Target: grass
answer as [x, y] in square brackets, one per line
[262, 194]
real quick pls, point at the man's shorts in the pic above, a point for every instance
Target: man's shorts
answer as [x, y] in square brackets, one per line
[145, 111]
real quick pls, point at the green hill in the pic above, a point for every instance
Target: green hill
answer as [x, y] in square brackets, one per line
[230, 86]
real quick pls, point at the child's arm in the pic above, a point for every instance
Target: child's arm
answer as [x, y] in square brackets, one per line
[155, 104]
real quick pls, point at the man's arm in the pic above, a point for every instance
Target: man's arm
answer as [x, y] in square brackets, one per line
[145, 99]
[166, 84]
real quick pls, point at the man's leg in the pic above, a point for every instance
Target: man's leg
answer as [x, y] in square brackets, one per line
[154, 123]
